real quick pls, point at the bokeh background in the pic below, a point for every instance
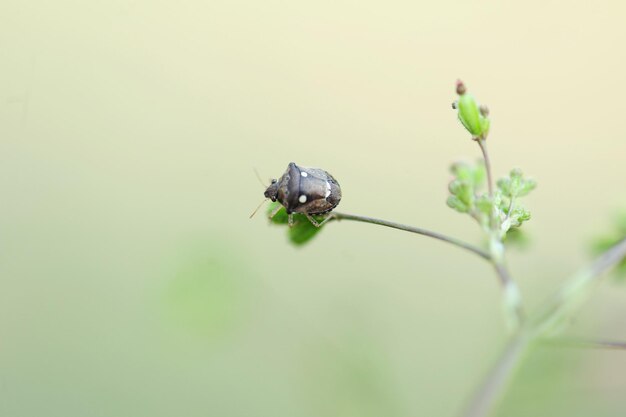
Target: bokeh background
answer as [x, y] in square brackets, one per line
[132, 282]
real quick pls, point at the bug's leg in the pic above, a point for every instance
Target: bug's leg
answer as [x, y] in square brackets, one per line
[312, 220]
[315, 222]
[276, 210]
[290, 222]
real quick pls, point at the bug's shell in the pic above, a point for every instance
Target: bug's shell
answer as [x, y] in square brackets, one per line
[305, 190]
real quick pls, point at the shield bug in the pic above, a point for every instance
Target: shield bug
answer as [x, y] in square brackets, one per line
[305, 190]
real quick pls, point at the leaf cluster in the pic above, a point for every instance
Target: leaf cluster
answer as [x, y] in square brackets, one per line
[510, 189]
[501, 212]
[465, 187]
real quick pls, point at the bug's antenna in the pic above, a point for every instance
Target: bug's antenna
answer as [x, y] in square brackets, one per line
[259, 178]
[257, 209]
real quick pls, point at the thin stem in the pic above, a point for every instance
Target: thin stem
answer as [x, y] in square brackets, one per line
[491, 390]
[508, 213]
[512, 297]
[513, 300]
[503, 274]
[483, 148]
[486, 397]
[412, 229]
[572, 295]
[587, 343]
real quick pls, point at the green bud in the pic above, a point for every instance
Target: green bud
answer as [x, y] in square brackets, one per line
[473, 174]
[462, 170]
[519, 216]
[484, 204]
[504, 185]
[455, 203]
[470, 115]
[463, 190]
[526, 187]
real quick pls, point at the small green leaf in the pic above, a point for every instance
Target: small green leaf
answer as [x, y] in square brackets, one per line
[469, 178]
[526, 187]
[480, 174]
[463, 190]
[515, 185]
[462, 170]
[473, 174]
[484, 204]
[516, 237]
[519, 216]
[302, 230]
[281, 217]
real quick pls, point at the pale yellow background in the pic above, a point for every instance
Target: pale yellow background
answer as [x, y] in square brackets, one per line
[129, 131]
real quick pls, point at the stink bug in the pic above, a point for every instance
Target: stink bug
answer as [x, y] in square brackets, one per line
[305, 190]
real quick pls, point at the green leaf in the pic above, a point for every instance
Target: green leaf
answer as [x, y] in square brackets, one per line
[281, 217]
[469, 178]
[515, 185]
[462, 170]
[480, 174]
[516, 237]
[302, 230]
[466, 172]
[463, 190]
[519, 216]
[484, 204]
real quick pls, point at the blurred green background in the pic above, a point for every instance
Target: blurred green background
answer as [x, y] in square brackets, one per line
[132, 282]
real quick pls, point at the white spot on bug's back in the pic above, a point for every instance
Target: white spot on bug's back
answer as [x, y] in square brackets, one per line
[302, 199]
[304, 174]
[327, 190]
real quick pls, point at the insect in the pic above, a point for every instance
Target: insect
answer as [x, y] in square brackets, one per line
[305, 190]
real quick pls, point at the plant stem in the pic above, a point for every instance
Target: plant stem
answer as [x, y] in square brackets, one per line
[559, 309]
[587, 343]
[488, 394]
[483, 148]
[512, 297]
[508, 213]
[573, 294]
[412, 229]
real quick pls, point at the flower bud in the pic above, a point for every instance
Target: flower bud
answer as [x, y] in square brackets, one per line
[460, 87]
[471, 115]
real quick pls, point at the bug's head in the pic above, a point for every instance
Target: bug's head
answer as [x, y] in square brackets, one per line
[272, 191]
